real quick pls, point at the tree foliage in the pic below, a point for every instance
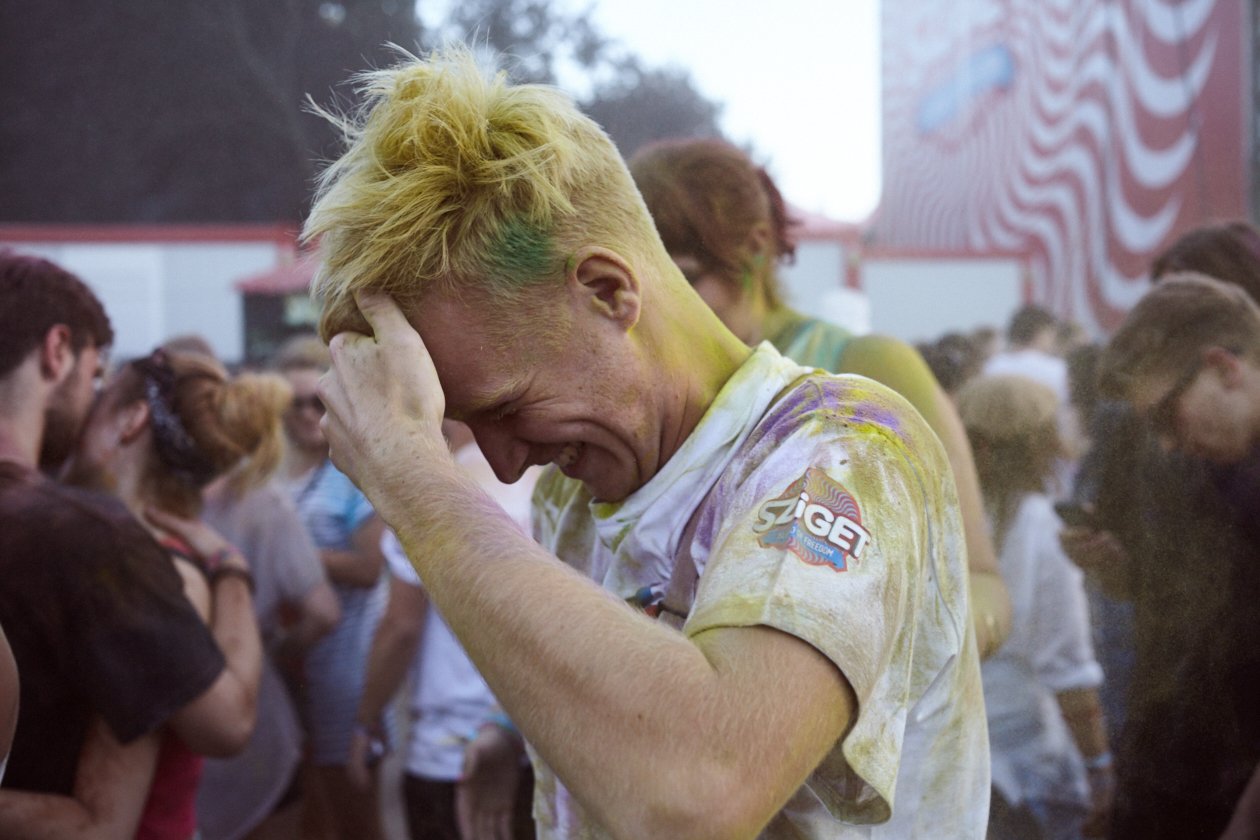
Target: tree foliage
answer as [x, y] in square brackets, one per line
[164, 111]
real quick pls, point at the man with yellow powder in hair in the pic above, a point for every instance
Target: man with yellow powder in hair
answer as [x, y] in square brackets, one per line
[749, 612]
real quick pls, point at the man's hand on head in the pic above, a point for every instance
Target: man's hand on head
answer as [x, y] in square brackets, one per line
[384, 404]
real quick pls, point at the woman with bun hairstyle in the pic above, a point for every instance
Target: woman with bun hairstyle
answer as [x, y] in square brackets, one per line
[164, 427]
[724, 222]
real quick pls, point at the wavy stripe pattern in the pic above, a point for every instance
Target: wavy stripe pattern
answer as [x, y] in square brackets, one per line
[1075, 132]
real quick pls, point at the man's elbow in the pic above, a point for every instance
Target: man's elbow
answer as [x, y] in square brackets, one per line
[220, 723]
[728, 808]
[222, 739]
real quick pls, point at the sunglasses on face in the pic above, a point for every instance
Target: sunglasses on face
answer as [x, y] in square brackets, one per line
[312, 402]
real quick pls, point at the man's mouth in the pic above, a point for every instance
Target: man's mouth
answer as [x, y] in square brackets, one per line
[568, 456]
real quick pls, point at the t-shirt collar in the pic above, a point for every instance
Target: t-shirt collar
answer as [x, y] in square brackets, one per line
[642, 531]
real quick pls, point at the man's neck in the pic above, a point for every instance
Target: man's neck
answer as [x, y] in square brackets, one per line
[701, 356]
[21, 420]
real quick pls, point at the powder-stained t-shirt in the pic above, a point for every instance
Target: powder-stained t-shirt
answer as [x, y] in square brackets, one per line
[96, 615]
[824, 507]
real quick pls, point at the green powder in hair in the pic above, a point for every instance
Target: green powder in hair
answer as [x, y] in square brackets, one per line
[522, 252]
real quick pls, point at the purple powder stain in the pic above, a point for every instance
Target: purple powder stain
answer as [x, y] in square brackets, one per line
[877, 414]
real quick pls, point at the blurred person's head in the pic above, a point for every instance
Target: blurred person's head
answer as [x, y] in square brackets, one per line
[986, 341]
[505, 224]
[724, 223]
[1012, 423]
[168, 424]
[302, 360]
[1068, 336]
[50, 320]
[1227, 251]
[1034, 327]
[1187, 358]
[953, 360]
[189, 343]
[251, 473]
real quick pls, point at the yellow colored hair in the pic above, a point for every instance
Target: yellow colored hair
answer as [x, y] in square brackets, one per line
[456, 180]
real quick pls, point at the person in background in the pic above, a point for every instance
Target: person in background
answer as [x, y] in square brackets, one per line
[1068, 337]
[95, 694]
[1031, 345]
[463, 777]
[1164, 537]
[348, 535]
[726, 226]
[1032, 350]
[1187, 358]
[257, 793]
[164, 427]
[953, 359]
[1052, 771]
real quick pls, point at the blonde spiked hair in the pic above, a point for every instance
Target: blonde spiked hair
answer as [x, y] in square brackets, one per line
[455, 180]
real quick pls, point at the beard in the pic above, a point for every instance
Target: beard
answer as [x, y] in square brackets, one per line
[61, 434]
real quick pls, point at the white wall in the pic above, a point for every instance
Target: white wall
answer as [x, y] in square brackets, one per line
[814, 284]
[153, 291]
[920, 299]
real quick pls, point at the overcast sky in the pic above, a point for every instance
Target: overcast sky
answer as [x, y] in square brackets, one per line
[802, 85]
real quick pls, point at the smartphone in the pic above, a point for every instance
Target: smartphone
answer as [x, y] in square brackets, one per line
[1075, 515]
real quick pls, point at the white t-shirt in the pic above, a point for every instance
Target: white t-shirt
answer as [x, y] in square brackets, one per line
[449, 699]
[870, 570]
[1048, 651]
[1036, 365]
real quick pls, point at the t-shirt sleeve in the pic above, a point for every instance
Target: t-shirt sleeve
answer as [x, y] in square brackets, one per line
[827, 540]
[136, 646]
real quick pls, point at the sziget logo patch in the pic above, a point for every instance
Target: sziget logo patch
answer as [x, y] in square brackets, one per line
[817, 520]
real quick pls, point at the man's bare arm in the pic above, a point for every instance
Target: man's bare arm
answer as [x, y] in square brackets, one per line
[713, 735]
[111, 786]
[655, 734]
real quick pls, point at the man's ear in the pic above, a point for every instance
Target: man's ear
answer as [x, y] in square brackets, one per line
[604, 281]
[56, 353]
[1226, 362]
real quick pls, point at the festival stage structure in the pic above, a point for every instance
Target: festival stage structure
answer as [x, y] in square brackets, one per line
[1080, 136]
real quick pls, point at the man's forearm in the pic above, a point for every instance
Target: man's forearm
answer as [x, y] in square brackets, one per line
[111, 785]
[612, 700]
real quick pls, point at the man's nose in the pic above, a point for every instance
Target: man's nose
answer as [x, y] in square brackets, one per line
[506, 453]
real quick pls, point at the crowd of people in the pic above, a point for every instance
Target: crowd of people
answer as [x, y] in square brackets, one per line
[571, 510]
